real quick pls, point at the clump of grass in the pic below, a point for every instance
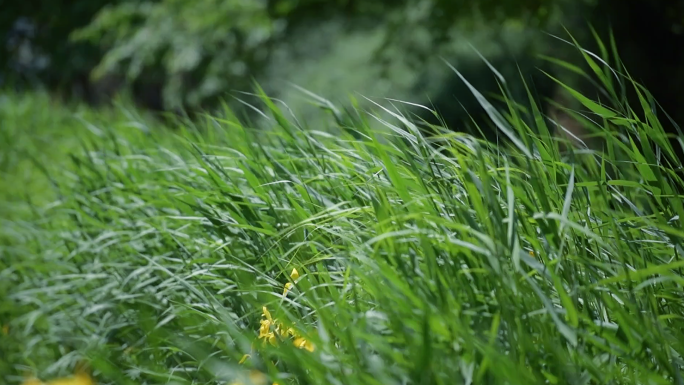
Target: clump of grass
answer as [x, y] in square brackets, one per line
[420, 260]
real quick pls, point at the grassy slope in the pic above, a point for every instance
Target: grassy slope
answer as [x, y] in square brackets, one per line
[470, 265]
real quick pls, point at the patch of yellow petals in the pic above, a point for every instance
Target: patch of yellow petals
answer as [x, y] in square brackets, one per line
[294, 275]
[269, 330]
[255, 378]
[77, 379]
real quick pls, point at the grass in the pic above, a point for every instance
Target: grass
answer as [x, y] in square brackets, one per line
[420, 260]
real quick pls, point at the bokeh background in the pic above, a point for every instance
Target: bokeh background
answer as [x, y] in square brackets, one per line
[172, 55]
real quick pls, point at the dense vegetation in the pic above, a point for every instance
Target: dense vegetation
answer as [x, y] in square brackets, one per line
[374, 255]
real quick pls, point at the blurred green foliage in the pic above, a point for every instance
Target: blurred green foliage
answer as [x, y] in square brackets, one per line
[202, 48]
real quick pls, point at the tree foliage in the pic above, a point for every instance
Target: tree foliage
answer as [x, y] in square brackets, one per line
[212, 45]
[202, 48]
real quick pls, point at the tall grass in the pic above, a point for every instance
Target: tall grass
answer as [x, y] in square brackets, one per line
[420, 260]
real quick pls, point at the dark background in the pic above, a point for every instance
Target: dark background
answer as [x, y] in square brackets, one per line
[187, 55]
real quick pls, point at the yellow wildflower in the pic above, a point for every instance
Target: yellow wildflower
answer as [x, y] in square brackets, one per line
[279, 329]
[266, 314]
[265, 323]
[294, 275]
[77, 379]
[288, 286]
[270, 337]
[265, 329]
[255, 378]
[302, 343]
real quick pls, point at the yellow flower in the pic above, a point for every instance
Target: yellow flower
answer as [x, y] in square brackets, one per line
[78, 379]
[265, 328]
[266, 314]
[302, 343]
[270, 337]
[266, 333]
[255, 378]
[294, 275]
[279, 329]
[288, 286]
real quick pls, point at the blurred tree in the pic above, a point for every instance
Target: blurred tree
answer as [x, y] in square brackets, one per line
[444, 18]
[202, 48]
[196, 49]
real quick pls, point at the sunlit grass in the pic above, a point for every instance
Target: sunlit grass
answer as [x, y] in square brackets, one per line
[170, 256]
